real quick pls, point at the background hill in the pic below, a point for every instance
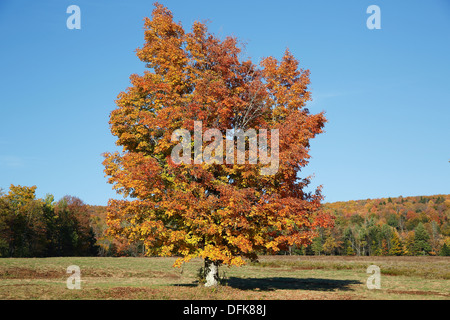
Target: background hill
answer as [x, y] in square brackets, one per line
[388, 226]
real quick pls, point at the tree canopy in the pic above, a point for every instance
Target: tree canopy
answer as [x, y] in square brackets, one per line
[218, 211]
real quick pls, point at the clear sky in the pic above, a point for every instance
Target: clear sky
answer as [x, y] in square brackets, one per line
[386, 92]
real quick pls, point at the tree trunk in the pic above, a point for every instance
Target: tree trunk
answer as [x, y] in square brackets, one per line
[211, 273]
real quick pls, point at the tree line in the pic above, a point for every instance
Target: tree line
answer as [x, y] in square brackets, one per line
[388, 226]
[32, 227]
[399, 226]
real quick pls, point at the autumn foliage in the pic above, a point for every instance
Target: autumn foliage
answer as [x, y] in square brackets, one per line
[221, 212]
[417, 225]
[32, 227]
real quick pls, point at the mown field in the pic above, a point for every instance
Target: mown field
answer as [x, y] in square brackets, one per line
[274, 277]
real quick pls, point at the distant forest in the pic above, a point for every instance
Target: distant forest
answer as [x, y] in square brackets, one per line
[31, 227]
[388, 226]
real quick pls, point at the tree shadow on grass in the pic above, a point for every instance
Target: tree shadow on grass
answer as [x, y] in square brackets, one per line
[287, 283]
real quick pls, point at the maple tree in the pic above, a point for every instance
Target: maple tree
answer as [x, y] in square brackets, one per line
[218, 211]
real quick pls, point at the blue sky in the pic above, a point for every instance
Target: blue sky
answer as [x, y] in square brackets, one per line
[386, 92]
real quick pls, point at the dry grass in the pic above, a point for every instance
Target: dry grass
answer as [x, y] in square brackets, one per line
[273, 277]
[426, 267]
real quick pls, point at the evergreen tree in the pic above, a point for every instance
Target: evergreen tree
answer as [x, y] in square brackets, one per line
[317, 246]
[445, 251]
[421, 240]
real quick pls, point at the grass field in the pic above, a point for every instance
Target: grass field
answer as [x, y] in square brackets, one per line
[273, 277]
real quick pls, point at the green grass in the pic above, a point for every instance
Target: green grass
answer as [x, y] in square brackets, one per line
[273, 277]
